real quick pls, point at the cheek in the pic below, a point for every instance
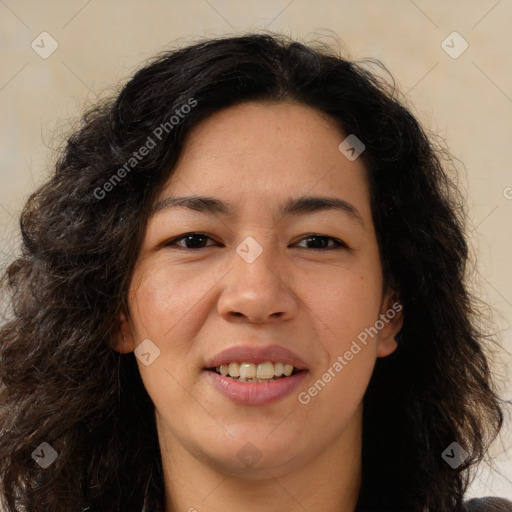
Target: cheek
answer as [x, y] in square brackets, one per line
[162, 297]
[348, 306]
[347, 303]
[162, 303]
[169, 308]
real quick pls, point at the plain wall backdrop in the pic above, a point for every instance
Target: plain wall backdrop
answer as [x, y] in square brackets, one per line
[452, 60]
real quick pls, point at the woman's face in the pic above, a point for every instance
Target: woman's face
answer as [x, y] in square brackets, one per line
[268, 279]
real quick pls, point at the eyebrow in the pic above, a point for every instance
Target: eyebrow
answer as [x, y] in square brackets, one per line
[295, 206]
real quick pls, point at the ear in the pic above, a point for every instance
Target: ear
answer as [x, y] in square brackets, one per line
[392, 318]
[123, 339]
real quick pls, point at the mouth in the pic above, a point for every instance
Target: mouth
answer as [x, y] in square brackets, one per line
[265, 372]
[256, 374]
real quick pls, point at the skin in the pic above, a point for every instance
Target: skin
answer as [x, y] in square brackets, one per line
[193, 303]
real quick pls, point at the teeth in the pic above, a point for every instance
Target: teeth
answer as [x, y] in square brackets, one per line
[234, 369]
[288, 369]
[265, 371]
[247, 371]
[278, 369]
[250, 372]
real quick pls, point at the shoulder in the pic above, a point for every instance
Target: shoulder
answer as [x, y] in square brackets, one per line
[488, 505]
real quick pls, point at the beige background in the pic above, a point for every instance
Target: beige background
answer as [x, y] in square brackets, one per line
[468, 100]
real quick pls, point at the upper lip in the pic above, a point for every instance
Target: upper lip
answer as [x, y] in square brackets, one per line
[251, 354]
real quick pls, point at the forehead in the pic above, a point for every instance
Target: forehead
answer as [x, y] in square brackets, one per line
[259, 129]
[257, 150]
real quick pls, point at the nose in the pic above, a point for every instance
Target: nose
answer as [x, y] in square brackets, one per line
[258, 292]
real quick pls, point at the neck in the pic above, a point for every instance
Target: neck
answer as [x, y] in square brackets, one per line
[330, 482]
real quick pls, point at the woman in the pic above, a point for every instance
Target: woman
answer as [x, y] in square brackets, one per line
[243, 285]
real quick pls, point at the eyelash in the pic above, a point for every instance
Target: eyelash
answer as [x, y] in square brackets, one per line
[339, 244]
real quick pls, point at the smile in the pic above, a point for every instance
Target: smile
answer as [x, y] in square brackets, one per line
[250, 372]
[251, 390]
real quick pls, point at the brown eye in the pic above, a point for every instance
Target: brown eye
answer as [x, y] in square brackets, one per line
[322, 242]
[190, 241]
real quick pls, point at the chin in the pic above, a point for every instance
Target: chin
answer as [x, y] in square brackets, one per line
[252, 452]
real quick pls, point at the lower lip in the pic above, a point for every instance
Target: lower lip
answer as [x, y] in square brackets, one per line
[256, 393]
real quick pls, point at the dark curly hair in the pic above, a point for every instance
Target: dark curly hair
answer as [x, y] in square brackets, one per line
[61, 381]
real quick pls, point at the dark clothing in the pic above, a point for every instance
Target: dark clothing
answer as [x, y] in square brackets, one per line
[489, 505]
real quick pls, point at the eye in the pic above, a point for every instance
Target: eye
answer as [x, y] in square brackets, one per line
[319, 242]
[191, 241]
[199, 241]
